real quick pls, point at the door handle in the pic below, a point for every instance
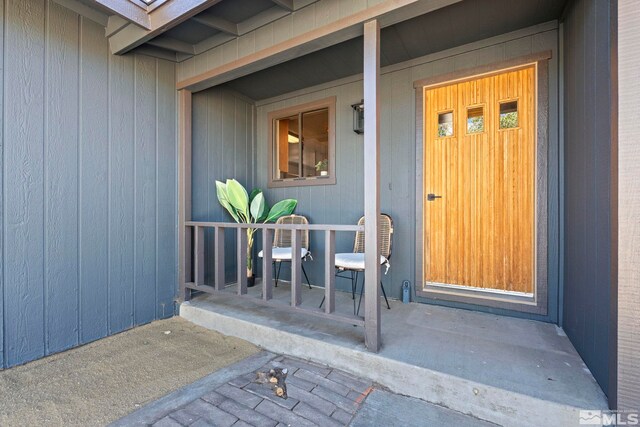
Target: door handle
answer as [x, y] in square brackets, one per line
[431, 197]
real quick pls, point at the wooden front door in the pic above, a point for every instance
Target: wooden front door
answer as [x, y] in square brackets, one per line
[479, 182]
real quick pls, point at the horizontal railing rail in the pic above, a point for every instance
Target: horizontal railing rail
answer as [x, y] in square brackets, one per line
[310, 227]
[196, 279]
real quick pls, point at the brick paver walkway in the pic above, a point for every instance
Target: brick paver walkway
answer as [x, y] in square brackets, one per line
[318, 396]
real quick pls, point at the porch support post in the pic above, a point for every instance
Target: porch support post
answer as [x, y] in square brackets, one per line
[184, 193]
[371, 184]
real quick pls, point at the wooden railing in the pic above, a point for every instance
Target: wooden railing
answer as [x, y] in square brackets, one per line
[194, 276]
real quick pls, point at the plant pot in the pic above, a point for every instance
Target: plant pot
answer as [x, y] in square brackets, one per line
[251, 281]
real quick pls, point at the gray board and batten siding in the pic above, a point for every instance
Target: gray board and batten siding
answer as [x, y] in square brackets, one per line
[222, 147]
[342, 203]
[628, 202]
[587, 191]
[89, 207]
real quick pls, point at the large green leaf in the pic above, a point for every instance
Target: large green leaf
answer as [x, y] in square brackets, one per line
[221, 192]
[253, 194]
[238, 198]
[282, 208]
[258, 207]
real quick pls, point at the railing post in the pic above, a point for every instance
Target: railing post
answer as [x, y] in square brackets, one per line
[329, 273]
[198, 255]
[219, 259]
[296, 268]
[372, 184]
[242, 260]
[267, 286]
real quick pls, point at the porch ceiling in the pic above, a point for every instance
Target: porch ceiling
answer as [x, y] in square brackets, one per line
[178, 29]
[442, 29]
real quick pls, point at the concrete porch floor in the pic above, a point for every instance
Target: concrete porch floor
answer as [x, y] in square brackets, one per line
[500, 369]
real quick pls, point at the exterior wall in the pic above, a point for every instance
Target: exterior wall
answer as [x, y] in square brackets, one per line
[315, 15]
[587, 127]
[628, 387]
[222, 147]
[88, 184]
[343, 203]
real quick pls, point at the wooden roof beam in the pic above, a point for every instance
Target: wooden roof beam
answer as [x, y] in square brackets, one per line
[172, 44]
[163, 18]
[114, 24]
[263, 18]
[256, 21]
[386, 13]
[285, 4]
[217, 23]
[127, 10]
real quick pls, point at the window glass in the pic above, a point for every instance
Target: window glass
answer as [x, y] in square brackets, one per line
[302, 145]
[315, 142]
[475, 120]
[288, 147]
[445, 124]
[509, 115]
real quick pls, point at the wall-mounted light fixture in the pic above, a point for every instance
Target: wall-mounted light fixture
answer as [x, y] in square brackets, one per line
[358, 117]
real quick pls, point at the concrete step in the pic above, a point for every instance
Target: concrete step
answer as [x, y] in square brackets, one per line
[341, 346]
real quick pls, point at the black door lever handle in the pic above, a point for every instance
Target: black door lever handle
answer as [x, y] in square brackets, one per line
[431, 197]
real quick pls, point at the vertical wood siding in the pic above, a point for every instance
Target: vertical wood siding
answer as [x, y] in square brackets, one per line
[62, 181]
[88, 216]
[222, 148]
[343, 203]
[628, 387]
[587, 129]
[629, 207]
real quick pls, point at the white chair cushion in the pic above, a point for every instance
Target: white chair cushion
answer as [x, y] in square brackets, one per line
[354, 261]
[284, 254]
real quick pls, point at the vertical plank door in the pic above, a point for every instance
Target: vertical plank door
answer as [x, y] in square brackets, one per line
[479, 182]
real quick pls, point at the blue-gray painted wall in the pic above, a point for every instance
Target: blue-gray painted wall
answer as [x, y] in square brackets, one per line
[222, 147]
[225, 147]
[587, 284]
[343, 203]
[88, 226]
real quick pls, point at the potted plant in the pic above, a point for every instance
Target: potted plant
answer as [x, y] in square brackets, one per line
[250, 209]
[321, 167]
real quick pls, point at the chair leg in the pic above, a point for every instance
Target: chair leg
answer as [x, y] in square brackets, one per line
[385, 295]
[323, 298]
[273, 270]
[354, 285]
[278, 272]
[305, 276]
[361, 292]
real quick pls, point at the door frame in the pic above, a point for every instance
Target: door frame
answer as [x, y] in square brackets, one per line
[538, 302]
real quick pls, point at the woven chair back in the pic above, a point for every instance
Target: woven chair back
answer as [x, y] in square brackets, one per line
[384, 235]
[282, 238]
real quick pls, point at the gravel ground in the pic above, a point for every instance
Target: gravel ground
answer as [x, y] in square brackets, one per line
[105, 380]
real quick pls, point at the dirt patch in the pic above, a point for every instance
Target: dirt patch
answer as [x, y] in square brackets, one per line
[105, 380]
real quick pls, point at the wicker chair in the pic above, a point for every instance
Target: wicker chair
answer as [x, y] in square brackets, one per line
[281, 251]
[354, 261]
